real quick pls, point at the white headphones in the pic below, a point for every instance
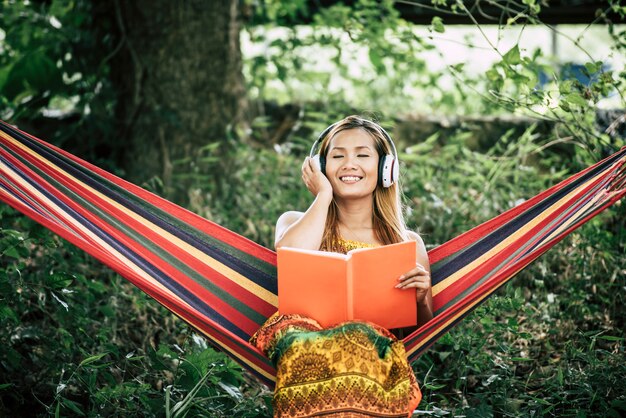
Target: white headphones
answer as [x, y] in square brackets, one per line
[388, 166]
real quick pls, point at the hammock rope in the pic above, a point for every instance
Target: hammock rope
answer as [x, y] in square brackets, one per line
[224, 285]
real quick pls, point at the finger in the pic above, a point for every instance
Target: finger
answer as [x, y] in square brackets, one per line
[414, 285]
[414, 272]
[415, 279]
[306, 166]
[306, 174]
[314, 168]
[418, 267]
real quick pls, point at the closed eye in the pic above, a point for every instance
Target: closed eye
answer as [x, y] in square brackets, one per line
[363, 155]
[337, 156]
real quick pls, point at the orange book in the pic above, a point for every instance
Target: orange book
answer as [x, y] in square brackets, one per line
[333, 287]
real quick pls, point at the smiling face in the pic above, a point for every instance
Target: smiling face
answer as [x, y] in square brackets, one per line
[352, 164]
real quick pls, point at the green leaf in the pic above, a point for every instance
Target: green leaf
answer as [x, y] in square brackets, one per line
[376, 60]
[92, 359]
[39, 71]
[591, 67]
[7, 314]
[437, 24]
[493, 74]
[565, 87]
[433, 387]
[512, 57]
[576, 99]
[60, 8]
[73, 406]
[11, 252]
[4, 74]
[60, 280]
[610, 338]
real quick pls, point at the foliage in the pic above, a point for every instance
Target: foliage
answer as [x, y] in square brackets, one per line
[364, 54]
[368, 56]
[550, 344]
[93, 345]
[553, 342]
[79, 340]
[54, 74]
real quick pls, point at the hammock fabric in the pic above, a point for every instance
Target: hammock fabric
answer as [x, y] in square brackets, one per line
[224, 285]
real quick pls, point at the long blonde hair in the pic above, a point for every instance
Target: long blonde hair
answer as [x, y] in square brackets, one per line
[387, 218]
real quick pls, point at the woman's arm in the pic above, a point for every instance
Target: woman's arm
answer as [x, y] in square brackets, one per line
[306, 230]
[419, 278]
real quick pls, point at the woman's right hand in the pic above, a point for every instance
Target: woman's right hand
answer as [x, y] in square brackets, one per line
[314, 179]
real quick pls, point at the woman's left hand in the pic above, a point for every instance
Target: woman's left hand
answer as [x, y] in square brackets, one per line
[418, 279]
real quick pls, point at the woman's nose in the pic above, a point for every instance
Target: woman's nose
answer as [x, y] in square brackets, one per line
[349, 163]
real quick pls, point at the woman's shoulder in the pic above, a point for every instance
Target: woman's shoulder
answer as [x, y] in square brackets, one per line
[414, 236]
[422, 253]
[289, 218]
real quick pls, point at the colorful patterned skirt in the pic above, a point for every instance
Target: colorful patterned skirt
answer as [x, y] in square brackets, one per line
[353, 369]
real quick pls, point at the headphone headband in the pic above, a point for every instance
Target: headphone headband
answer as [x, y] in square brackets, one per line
[388, 169]
[326, 131]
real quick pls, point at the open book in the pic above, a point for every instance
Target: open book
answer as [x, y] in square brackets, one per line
[332, 287]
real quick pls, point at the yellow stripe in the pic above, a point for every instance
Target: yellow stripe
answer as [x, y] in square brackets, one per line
[564, 225]
[177, 301]
[483, 296]
[32, 202]
[231, 274]
[592, 202]
[78, 227]
[439, 287]
[235, 354]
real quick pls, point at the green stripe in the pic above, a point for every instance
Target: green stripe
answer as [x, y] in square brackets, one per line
[165, 255]
[556, 221]
[240, 255]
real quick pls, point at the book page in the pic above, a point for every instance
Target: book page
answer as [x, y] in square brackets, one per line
[312, 283]
[374, 275]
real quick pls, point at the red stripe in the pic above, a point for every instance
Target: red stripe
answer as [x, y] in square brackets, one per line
[581, 199]
[471, 236]
[500, 278]
[233, 315]
[250, 299]
[211, 228]
[68, 227]
[242, 349]
[17, 193]
[156, 293]
[571, 211]
[454, 289]
[607, 203]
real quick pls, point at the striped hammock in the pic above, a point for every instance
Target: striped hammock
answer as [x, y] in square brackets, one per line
[224, 285]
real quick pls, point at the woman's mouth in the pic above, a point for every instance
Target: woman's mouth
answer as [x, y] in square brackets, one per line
[350, 179]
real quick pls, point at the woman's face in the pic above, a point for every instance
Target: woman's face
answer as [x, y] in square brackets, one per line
[352, 164]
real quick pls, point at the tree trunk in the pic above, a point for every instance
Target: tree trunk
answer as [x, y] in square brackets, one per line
[180, 85]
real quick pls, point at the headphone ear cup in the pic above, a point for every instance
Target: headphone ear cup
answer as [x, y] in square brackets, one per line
[388, 171]
[395, 170]
[320, 162]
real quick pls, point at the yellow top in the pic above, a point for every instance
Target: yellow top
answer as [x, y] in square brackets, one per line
[344, 245]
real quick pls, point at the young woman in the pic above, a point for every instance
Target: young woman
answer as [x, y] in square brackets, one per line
[354, 368]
